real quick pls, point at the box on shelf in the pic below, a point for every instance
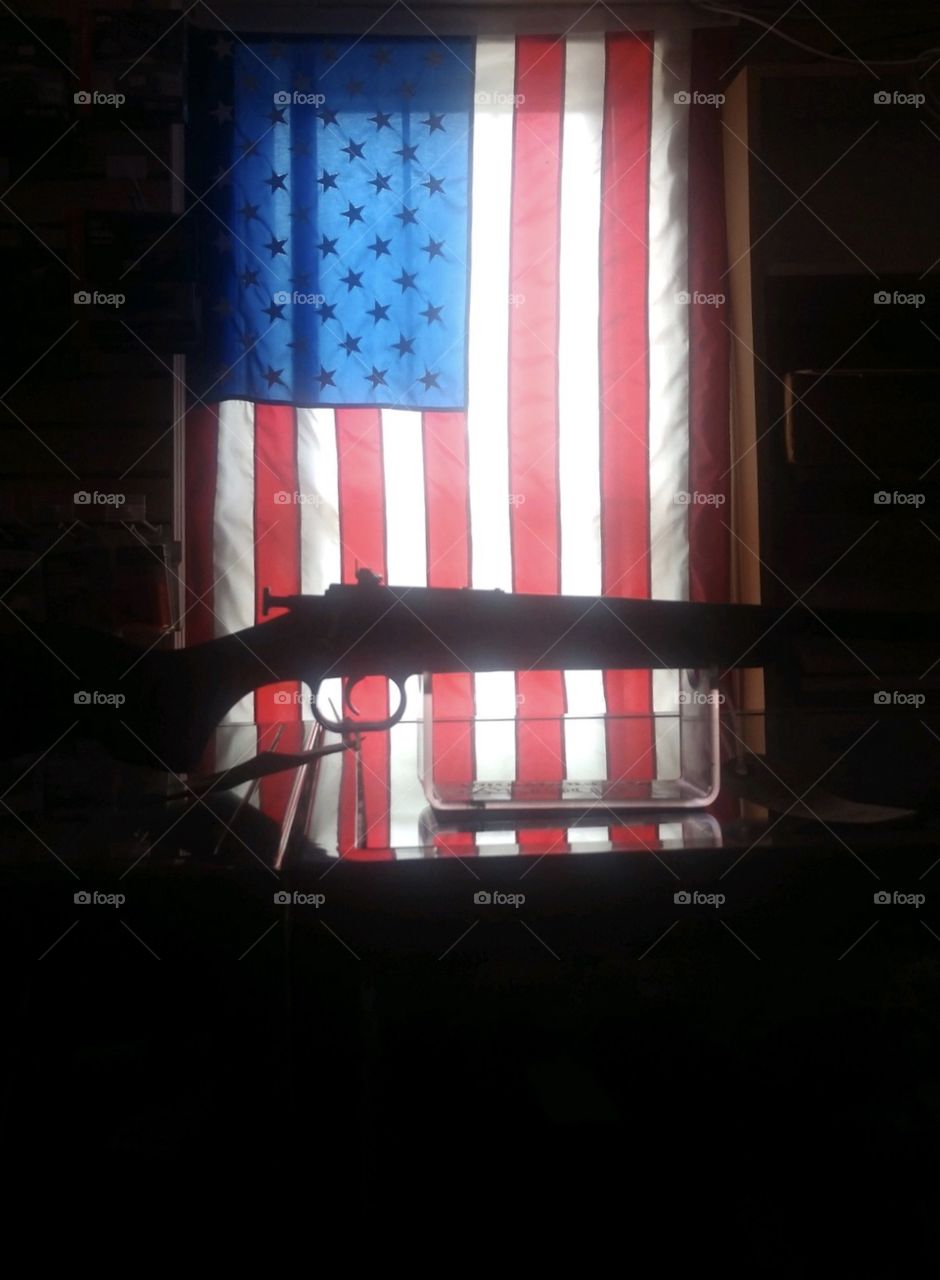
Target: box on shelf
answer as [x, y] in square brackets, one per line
[672, 755]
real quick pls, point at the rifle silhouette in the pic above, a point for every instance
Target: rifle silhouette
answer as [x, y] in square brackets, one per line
[171, 702]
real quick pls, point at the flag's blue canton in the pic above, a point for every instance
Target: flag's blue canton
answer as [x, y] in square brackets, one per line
[336, 229]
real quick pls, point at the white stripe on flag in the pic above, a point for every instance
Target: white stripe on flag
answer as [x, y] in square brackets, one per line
[233, 543]
[579, 289]
[320, 567]
[321, 563]
[579, 379]
[487, 405]
[405, 510]
[406, 563]
[233, 567]
[589, 835]
[495, 844]
[318, 481]
[668, 358]
[233, 549]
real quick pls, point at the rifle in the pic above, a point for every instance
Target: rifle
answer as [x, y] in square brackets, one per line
[171, 702]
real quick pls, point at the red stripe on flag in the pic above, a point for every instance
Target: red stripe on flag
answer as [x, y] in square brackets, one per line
[277, 566]
[364, 810]
[533, 316]
[533, 391]
[709, 349]
[636, 839]
[447, 503]
[624, 375]
[447, 498]
[544, 842]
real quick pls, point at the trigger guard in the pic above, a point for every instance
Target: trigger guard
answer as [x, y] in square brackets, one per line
[347, 725]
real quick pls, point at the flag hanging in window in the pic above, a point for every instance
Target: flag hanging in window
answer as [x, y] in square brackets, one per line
[464, 317]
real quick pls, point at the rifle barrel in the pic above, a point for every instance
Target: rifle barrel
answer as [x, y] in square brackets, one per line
[406, 630]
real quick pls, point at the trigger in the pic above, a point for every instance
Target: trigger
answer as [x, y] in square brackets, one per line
[347, 696]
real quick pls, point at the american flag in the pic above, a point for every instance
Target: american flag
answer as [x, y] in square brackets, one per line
[456, 336]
